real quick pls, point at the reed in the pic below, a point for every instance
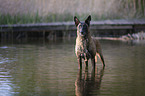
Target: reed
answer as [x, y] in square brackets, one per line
[37, 11]
[18, 19]
[27, 18]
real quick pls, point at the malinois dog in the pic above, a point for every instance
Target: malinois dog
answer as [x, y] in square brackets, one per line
[86, 47]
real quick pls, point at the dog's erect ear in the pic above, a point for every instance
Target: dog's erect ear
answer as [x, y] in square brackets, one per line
[87, 21]
[77, 21]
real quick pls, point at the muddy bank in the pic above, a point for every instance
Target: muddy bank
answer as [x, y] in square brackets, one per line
[134, 36]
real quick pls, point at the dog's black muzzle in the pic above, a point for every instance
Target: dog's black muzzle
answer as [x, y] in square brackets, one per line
[83, 33]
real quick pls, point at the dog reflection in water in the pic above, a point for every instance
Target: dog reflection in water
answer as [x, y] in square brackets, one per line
[87, 83]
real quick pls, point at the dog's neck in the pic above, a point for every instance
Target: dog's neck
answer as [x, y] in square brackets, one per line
[84, 42]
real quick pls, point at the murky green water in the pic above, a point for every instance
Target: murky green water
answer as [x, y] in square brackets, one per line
[38, 68]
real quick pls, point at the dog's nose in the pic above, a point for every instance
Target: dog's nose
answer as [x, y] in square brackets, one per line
[82, 32]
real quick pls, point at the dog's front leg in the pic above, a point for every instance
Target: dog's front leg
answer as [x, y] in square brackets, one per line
[86, 63]
[80, 62]
[93, 63]
[86, 59]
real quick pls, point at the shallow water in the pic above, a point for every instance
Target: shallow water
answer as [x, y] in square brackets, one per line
[50, 68]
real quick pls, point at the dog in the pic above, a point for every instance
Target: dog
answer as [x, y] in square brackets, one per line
[86, 46]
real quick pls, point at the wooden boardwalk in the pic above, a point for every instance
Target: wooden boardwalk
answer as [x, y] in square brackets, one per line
[95, 25]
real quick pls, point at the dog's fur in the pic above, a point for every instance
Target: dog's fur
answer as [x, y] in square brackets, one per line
[86, 46]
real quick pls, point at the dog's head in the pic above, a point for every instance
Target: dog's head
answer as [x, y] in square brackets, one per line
[82, 27]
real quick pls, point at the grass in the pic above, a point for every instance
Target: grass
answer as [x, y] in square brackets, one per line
[64, 10]
[19, 19]
[27, 18]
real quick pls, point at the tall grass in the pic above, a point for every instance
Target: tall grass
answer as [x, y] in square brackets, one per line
[37, 11]
[27, 18]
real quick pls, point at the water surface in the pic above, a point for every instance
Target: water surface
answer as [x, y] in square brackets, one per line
[50, 68]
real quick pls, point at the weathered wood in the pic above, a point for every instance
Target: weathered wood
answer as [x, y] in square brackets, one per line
[111, 27]
[106, 24]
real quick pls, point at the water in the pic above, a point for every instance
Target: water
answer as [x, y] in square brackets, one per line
[38, 68]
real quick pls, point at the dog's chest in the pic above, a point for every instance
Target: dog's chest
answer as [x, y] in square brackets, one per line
[82, 49]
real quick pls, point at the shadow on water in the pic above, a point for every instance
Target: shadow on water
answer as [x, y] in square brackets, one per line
[88, 83]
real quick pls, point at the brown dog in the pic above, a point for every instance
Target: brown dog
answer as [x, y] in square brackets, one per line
[86, 46]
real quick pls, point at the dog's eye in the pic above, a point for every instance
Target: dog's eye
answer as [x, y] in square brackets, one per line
[80, 26]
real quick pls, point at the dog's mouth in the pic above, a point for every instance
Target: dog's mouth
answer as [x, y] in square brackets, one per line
[82, 34]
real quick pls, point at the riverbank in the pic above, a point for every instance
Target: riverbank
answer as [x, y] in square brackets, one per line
[134, 36]
[103, 28]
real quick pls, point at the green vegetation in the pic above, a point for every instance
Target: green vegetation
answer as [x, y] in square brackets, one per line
[38, 11]
[27, 18]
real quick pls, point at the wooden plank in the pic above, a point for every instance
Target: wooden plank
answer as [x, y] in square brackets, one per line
[61, 28]
[106, 24]
[139, 26]
[111, 27]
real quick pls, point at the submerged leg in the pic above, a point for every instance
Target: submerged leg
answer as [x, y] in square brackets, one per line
[80, 62]
[86, 62]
